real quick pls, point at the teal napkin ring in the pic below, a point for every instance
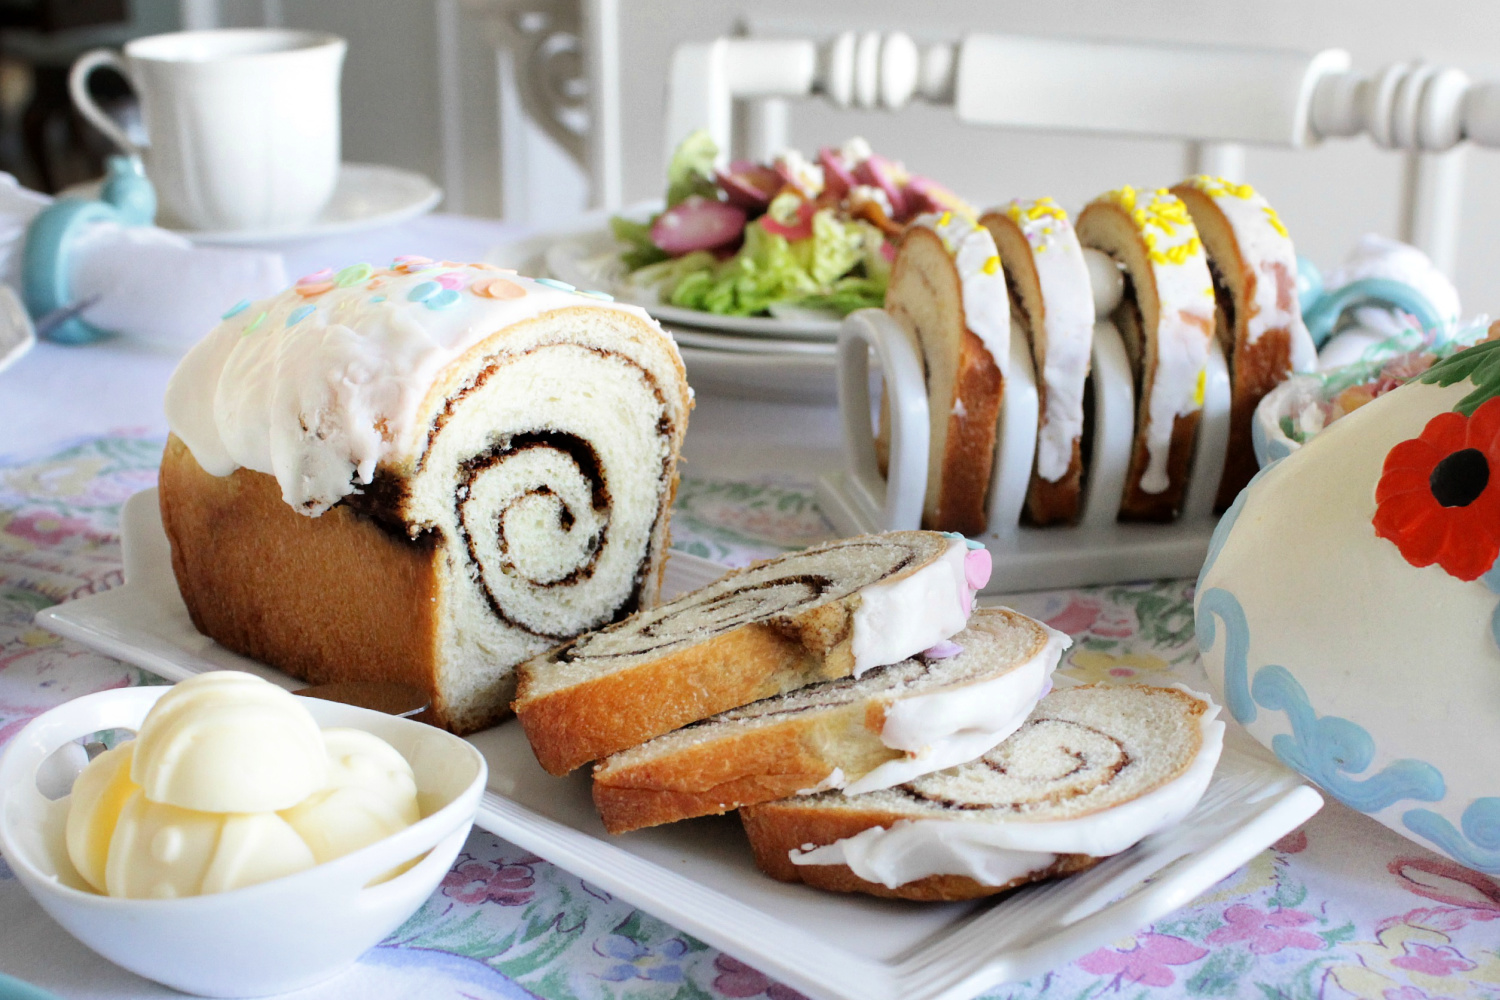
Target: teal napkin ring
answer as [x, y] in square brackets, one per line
[127, 198]
[1321, 309]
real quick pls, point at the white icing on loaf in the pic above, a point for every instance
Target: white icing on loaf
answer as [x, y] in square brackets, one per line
[986, 303]
[1266, 250]
[1068, 318]
[322, 383]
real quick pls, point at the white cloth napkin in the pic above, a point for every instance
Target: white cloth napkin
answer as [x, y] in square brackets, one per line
[151, 285]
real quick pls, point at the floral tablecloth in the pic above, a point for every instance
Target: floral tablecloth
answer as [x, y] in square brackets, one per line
[1341, 908]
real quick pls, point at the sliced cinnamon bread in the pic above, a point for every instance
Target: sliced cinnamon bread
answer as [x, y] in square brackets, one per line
[948, 293]
[1258, 317]
[831, 611]
[1091, 772]
[889, 726]
[1166, 319]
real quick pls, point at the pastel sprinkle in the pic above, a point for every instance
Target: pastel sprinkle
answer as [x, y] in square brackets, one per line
[309, 291]
[442, 300]
[423, 291]
[412, 258]
[236, 309]
[595, 294]
[498, 288]
[300, 313]
[316, 277]
[953, 535]
[561, 286]
[254, 325]
[943, 650]
[991, 265]
[977, 567]
[450, 279]
[376, 298]
[353, 275]
[973, 544]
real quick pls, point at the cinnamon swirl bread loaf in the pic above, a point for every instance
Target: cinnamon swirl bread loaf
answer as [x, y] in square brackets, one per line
[1091, 772]
[1052, 306]
[1166, 318]
[892, 724]
[1258, 317]
[424, 473]
[832, 611]
[948, 293]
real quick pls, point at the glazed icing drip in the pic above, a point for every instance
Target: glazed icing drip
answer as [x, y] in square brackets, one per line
[1068, 318]
[1185, 290]
[1266, 250]
[986, 302]
[322, 383]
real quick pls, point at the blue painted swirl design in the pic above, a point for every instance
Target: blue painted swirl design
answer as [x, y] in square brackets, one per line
[1327, 749]
[1479, 844]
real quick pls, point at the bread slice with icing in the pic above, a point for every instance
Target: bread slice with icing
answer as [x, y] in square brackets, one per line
[892, 724]
[947, 292]
[831, 611]
[1094, 770]
[1052, 305]
[1258, 318]
[1166, 318]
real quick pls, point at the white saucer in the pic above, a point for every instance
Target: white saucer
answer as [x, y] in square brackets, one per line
[368, 196]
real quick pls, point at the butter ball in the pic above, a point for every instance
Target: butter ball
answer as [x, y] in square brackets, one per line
[371, 794]
[229, 742]
[99, 793]
[161, 851]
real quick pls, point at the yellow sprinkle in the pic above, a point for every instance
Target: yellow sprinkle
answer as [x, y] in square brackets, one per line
[945, 218]
[1014, 211]
[992, 265]
[1275, 221]
[1200, 388]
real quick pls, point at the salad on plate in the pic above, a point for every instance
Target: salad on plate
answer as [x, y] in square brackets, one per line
[793, 238]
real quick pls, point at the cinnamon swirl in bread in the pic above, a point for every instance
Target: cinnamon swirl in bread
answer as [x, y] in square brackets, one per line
[1166, 318]
[832, 611]
[424, 473]
[888, 726]
[1091, 772]
[1258, 317]
[948, 293]
[1052, 305]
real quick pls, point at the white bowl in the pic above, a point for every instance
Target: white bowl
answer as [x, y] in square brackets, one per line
[269, 938]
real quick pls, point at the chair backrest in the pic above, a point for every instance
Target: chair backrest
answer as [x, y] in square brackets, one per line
[1217, 99]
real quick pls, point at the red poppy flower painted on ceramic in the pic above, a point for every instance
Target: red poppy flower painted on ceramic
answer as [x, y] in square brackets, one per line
[1439, 494]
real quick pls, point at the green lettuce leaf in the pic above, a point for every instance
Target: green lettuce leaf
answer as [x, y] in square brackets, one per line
[692, 169]
[637, 237]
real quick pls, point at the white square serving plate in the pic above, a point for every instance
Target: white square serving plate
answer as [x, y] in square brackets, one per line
[698, 875]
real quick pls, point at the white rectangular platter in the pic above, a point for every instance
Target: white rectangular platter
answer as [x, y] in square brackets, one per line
[698, 875]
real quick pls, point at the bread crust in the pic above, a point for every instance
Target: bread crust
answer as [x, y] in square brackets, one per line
[957, 495]
[1255, 369]
[569, 727]
[325, 599]
[776, 829]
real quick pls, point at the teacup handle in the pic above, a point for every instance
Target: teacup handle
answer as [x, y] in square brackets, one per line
[78, 89]
[900, 496]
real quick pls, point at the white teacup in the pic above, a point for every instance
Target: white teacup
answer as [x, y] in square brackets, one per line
[242, 124]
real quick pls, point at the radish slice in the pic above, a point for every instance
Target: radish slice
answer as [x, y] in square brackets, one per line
[879, 172]
[750, 185]
[923, 195]
[799, 227]
[697, 224]
[837, 180]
